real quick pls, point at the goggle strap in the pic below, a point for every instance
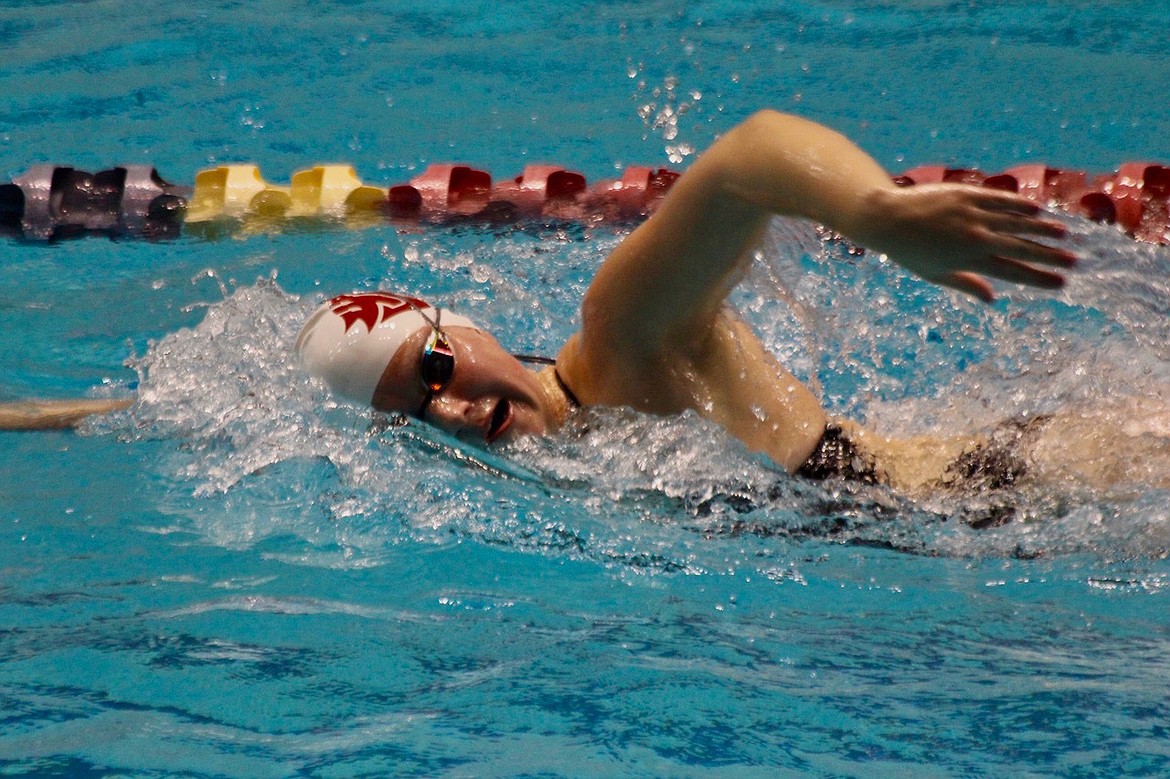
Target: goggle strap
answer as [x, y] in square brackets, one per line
[535, 359]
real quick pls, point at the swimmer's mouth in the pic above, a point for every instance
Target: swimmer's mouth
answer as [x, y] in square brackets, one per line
[501, 420]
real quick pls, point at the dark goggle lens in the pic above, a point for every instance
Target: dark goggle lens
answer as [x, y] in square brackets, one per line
[438, 363]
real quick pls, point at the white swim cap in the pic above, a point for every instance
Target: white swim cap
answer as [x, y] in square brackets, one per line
[351, 339]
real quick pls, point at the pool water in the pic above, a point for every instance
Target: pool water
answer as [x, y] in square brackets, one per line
[239, 576]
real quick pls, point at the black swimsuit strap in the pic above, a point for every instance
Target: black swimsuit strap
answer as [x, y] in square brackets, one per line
[533, 358]
[565, 389]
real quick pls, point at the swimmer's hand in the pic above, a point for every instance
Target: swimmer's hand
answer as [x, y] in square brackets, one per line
[958, 235]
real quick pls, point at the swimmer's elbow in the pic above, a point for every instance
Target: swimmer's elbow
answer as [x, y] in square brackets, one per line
[769, 128]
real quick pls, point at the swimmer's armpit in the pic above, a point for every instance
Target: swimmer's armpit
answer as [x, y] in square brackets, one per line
[56, 414]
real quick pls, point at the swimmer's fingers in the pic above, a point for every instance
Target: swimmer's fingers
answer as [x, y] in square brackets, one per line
[1018, 272]
[1001, 200]
[1013, 271]
[971, 283]
[1005, 220]
[1016, 223]
[1009, 217]
[963, 236]
[1006, 244]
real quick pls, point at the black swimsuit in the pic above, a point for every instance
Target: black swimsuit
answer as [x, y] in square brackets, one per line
[838, 457]
[997, 463]
[992, 465]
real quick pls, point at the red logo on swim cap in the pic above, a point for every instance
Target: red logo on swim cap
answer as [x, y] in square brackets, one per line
[371, 308]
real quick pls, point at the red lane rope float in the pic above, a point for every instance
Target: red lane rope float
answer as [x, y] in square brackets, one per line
[1134, 198]
[540, 191]
[132, 201]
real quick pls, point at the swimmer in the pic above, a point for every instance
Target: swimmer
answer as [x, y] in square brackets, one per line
[657, 333]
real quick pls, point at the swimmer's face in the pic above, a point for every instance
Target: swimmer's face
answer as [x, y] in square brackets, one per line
[489, 397]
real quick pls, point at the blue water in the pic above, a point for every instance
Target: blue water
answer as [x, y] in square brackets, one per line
[239, 577]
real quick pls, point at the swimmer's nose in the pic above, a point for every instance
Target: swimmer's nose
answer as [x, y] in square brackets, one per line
[452, 415]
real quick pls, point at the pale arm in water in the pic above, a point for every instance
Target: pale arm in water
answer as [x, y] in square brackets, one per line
[56, 414]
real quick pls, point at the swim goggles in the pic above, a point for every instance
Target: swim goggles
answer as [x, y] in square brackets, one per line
[437, 364]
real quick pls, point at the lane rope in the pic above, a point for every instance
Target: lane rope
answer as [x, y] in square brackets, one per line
[51, 202]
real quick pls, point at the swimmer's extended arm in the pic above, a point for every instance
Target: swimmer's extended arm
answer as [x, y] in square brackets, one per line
[669, 278]
[55, 414]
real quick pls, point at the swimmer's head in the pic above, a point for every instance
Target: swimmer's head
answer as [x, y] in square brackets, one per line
[402, 355]
[351, 339]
